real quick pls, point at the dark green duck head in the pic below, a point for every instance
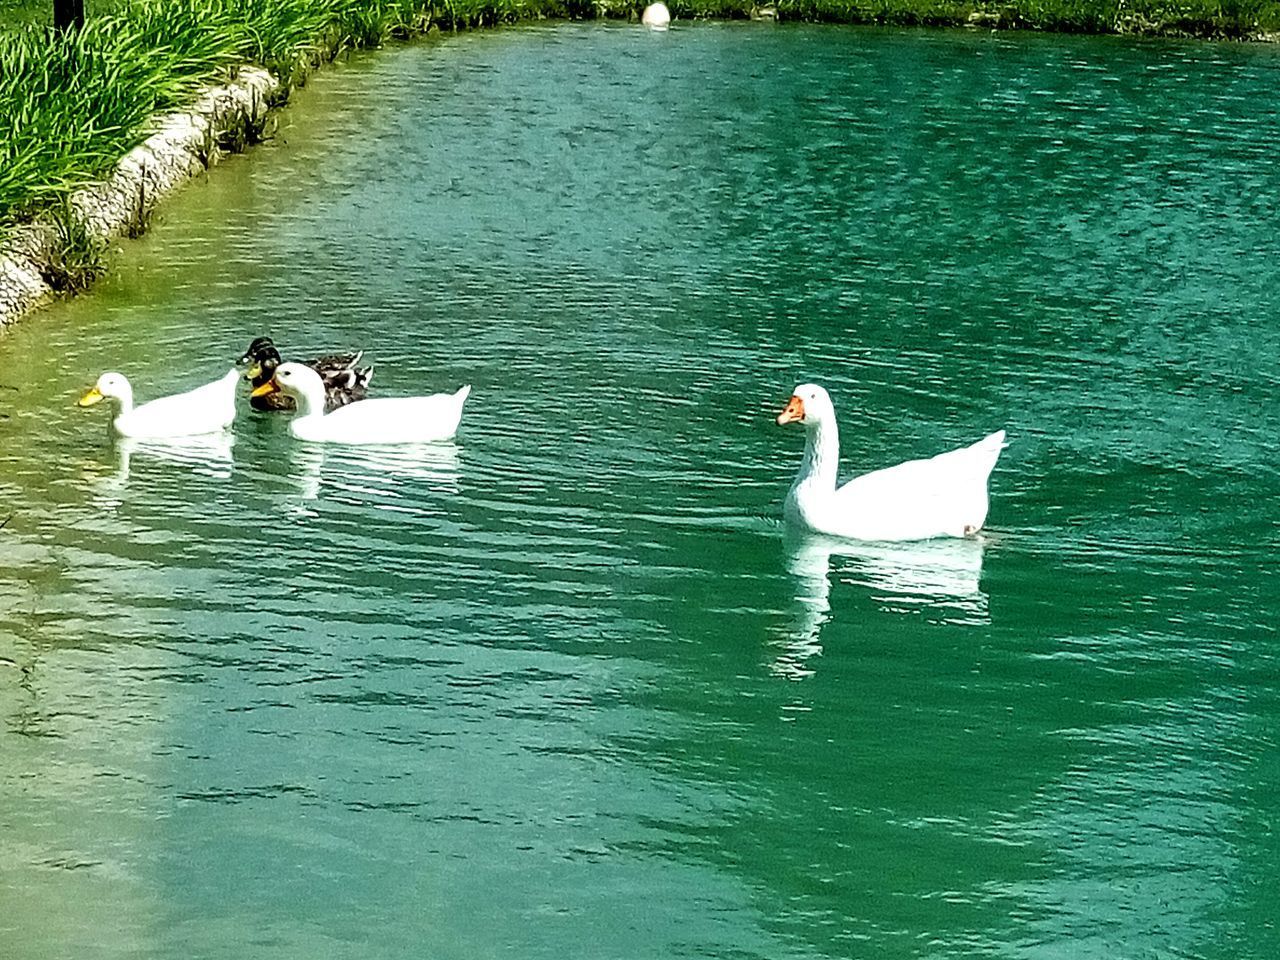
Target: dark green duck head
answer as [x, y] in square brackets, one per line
[263, 358]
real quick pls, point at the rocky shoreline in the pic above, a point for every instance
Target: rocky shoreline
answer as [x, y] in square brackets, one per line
[34, 256]
[185, 144]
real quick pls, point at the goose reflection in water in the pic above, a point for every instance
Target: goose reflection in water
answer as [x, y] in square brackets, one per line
[941, 577]
[206, 454]
[379, 476]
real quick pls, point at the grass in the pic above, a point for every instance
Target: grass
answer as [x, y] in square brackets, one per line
[71, 104]
[77, 257]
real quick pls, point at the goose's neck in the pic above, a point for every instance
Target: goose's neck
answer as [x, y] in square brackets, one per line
[310, 402]
[821, 463]
[123, 398]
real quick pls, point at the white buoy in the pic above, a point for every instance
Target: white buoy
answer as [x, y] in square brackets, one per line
[656, 16]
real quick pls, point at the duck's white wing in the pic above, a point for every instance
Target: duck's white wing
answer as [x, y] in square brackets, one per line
[389, 420]
[944, 495]
[955, 466]
[205, 409]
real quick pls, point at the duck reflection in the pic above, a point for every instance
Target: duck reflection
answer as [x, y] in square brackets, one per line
[377, 475]
[207, 454]
[305, 463]
[939, 577]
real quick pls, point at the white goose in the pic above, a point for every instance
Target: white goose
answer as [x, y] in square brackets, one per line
[206, 409]
[945, 496]
[380, 420]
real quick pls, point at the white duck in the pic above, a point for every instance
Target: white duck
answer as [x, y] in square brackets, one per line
[206, 409]
[945, 496]
[380, 420]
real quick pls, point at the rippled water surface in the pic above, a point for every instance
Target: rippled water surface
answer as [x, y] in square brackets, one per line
[563, 688]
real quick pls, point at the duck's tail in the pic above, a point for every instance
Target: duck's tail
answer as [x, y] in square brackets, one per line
[987, 451]
[462, 393]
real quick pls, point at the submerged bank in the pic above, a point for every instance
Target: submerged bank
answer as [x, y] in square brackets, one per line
[71, 106]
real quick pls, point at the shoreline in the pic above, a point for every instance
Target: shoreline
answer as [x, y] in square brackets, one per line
[34, 267]
[61, 250]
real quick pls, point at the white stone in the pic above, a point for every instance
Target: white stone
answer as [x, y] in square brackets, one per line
[656, 16]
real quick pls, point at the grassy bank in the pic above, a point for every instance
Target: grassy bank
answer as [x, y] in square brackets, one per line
[1209, 19]
[71, 104]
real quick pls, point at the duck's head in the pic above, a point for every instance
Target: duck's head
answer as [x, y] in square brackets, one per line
[109, 385]
[258, 347]
[263, 358]
[297, 380]
[809, 404]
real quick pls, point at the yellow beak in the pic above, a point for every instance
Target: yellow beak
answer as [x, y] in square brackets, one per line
[254, 372]
[269, 387]
[93, 396]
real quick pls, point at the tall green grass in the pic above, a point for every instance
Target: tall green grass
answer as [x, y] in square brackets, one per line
[1224, 19]
[71, 104]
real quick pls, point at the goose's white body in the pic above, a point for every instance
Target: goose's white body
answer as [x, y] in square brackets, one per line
[943, 496]
[207, 409]
[381, 420]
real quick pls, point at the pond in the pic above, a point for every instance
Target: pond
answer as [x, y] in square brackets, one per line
[564, 687]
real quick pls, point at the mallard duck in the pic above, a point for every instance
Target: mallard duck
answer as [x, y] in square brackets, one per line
[205, 409]
[344, 382]
[945, 496]
[382, 420]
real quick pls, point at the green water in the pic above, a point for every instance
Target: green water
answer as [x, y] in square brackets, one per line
[563, 688]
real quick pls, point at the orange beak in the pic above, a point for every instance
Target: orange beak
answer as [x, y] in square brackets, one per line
[269, 387]
[793, 412]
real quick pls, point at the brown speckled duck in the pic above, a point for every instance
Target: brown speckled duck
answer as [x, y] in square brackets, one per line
[343, 380]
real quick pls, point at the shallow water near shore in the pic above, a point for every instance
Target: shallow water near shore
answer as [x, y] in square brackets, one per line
[563, 687]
